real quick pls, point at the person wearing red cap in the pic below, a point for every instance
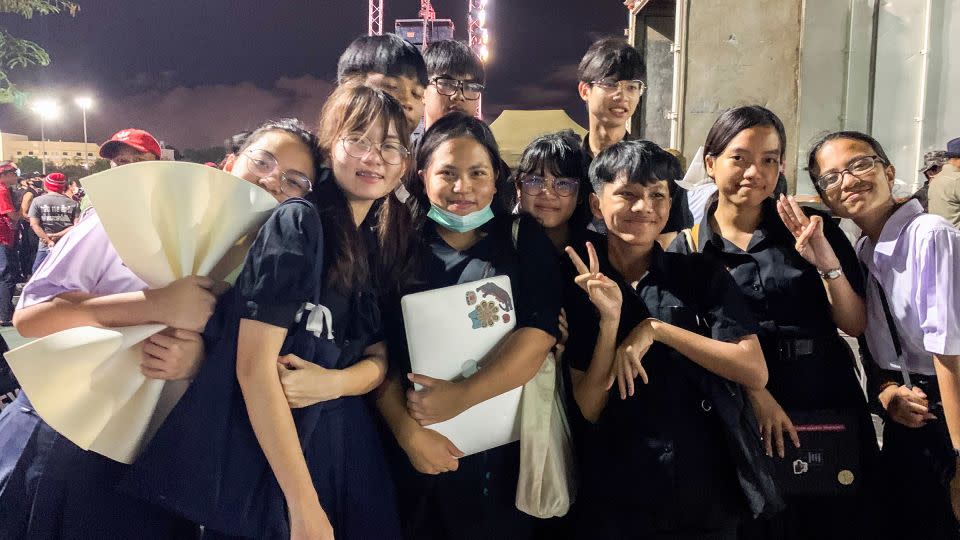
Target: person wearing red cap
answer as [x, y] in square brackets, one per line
[130, 146]
[9, 215]
[52, 215]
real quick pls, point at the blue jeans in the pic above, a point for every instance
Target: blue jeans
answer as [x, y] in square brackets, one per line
[8, 280]
[41, 255]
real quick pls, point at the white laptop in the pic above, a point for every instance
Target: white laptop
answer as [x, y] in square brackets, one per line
[449, 331]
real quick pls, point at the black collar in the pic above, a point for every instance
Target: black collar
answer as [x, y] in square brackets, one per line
[770, 226]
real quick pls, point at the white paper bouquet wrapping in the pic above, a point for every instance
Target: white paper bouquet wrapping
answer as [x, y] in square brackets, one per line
[167, 220]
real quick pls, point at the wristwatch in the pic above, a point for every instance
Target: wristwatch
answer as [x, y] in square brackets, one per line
[833, 273]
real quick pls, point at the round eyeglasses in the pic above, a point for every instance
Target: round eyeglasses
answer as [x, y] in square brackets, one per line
[263, 164]
[534, 185]
[856, 167]
[358, 146]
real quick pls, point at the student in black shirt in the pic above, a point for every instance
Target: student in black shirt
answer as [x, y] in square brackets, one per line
[463, 226]
[677, 456]
[802, 281]
[611, 76]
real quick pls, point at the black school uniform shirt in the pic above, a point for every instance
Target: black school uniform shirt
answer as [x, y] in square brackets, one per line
[786, 295]
[661, 457]
[532, 268]
[282, 271]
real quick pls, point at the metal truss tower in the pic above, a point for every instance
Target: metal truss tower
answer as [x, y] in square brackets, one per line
[375, 21]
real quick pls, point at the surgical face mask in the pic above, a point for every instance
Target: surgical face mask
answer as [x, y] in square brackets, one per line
[459, 223]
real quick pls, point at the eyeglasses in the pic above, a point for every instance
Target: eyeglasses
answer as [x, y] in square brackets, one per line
[633, 88]
[564, 187]
[856, 167]
[263, 164]
[359, 147]
[449, 87]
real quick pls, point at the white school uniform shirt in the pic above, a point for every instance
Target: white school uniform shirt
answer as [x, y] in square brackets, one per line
[917, 263]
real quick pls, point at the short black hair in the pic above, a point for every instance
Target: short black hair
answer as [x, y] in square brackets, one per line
[732, 121]
[453, 58]
[813, 168]
[560, 155]
[388, 54]
[643, 162]
[611, 58]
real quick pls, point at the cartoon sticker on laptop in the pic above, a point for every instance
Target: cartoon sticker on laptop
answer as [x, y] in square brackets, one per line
[488, 311]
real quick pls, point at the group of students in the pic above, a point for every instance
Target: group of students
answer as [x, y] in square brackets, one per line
[685, 347]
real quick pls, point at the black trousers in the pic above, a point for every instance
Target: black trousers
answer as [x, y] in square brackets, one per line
[917, 466]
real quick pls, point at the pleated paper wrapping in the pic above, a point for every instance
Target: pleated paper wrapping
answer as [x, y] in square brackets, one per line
[167, 220]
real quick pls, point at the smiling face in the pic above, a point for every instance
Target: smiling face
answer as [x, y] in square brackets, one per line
[291, 154]
[369, 177]
[854, 196]
[746, 171]
[407, 90]
[547, 206]
[611, 108]
[633, 212]
[460, 177]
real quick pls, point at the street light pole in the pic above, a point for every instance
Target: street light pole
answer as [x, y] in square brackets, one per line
[84, 103]
[44, 109]
[43, 148]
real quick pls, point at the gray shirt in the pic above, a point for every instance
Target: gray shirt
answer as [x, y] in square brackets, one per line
[55, 211]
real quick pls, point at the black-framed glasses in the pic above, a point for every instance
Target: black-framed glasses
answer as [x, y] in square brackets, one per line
[856, 167]
[447, 86]
[634, 87]
[534, 185]
[358, 146]
[263, 164]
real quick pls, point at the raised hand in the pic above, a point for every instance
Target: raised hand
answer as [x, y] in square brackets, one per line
[603, 292]
[811, 243]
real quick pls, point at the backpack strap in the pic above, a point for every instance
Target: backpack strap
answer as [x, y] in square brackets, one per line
[692, 235]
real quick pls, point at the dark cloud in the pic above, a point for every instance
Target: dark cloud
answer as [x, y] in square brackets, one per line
[192, 117]
[195, 71]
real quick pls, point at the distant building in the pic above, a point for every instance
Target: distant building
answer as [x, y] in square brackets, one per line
[14, 147]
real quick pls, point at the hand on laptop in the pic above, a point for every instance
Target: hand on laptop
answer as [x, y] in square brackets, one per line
[437, 401]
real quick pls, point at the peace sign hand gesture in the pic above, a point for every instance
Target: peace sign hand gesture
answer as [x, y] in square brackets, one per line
[811, 244]
[602, 291]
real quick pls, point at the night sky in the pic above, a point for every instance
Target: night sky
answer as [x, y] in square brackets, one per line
[195, 71]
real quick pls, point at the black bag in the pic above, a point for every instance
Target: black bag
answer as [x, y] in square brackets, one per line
[828, 460]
